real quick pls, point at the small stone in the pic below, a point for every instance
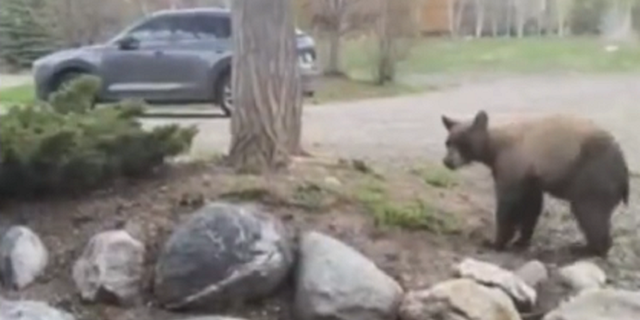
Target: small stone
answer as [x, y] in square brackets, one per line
[334, 281]
[583, 275]
[599, 304]
[30, 310]
[23, 257]
[110, 268]
[332, 181]
[533, 273]
[459, 299]
[492, 275]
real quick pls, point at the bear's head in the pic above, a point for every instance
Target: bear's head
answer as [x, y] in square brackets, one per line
[466, 141]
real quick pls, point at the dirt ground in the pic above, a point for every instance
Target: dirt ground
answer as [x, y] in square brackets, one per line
[395, 135]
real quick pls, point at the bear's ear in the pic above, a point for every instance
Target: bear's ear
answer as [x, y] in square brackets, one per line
[481, 121]
[448, 122]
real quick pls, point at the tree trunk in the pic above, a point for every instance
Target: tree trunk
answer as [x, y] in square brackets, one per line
[333, 66]
[520, 17]
[560, 14]
[495, 15]
[267, 117]
[459, 15]
[509, 17]
[386, 59]
[451, 11]
[479, 6]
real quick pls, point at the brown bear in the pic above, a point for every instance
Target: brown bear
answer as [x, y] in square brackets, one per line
[567, 157]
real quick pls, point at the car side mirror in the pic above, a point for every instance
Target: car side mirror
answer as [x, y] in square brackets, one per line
[128, 43]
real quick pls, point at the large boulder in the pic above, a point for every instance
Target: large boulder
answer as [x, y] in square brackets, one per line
[110, 268]
[23, 257]
[492, 275]
[222, 253]
[334, 281]
[599, 304]
[583, 275]
[30, 310]
[459, 299]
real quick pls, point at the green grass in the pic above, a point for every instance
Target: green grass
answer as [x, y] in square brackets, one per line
[436, 177]
[23, 94]
[343, 89]
[412, 215]
[530, 55]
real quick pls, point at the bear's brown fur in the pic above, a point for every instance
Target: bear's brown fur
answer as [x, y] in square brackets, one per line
[567, 157]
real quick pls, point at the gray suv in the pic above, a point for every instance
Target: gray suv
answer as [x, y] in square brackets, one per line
[177, 56]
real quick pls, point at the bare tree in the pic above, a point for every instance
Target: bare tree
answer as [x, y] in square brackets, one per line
[396, 25]
[267, 118]
[335, 19]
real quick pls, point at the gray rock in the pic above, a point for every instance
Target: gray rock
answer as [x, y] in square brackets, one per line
[599, 304]
[459, 299]
[223, 253]
[492, 275]
[334, 281]
[110, 268]
[30, 310]
[533, 273]
[23, 257]
[583, 275]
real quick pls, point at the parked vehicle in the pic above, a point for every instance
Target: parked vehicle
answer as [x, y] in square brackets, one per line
[174, 56]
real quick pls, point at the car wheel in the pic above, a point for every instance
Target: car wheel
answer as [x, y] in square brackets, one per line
[225, 94]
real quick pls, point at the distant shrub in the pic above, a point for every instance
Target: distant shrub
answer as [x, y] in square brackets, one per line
[66, 145]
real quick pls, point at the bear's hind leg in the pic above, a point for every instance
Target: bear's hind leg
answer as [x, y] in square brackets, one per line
[594, 220]
[529, 213]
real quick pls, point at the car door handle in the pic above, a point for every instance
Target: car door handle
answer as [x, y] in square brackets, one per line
[158, 53]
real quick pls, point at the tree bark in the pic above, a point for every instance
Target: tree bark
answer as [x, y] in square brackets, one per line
[267, 117]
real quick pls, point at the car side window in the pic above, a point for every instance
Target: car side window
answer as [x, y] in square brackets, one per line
[212, 27]
[158, 29]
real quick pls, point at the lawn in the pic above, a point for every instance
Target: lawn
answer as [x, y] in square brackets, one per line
[21, 94]
[530, 55]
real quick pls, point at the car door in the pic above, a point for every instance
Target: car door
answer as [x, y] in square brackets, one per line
[191, 54]
[148, 67]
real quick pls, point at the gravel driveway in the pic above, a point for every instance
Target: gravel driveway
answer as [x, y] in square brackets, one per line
[409, 127]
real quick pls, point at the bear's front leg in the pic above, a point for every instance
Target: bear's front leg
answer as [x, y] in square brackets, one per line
[506, 225]
[528, 214]
[509, 198]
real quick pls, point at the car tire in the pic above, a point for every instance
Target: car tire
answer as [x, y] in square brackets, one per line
[224, 94]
